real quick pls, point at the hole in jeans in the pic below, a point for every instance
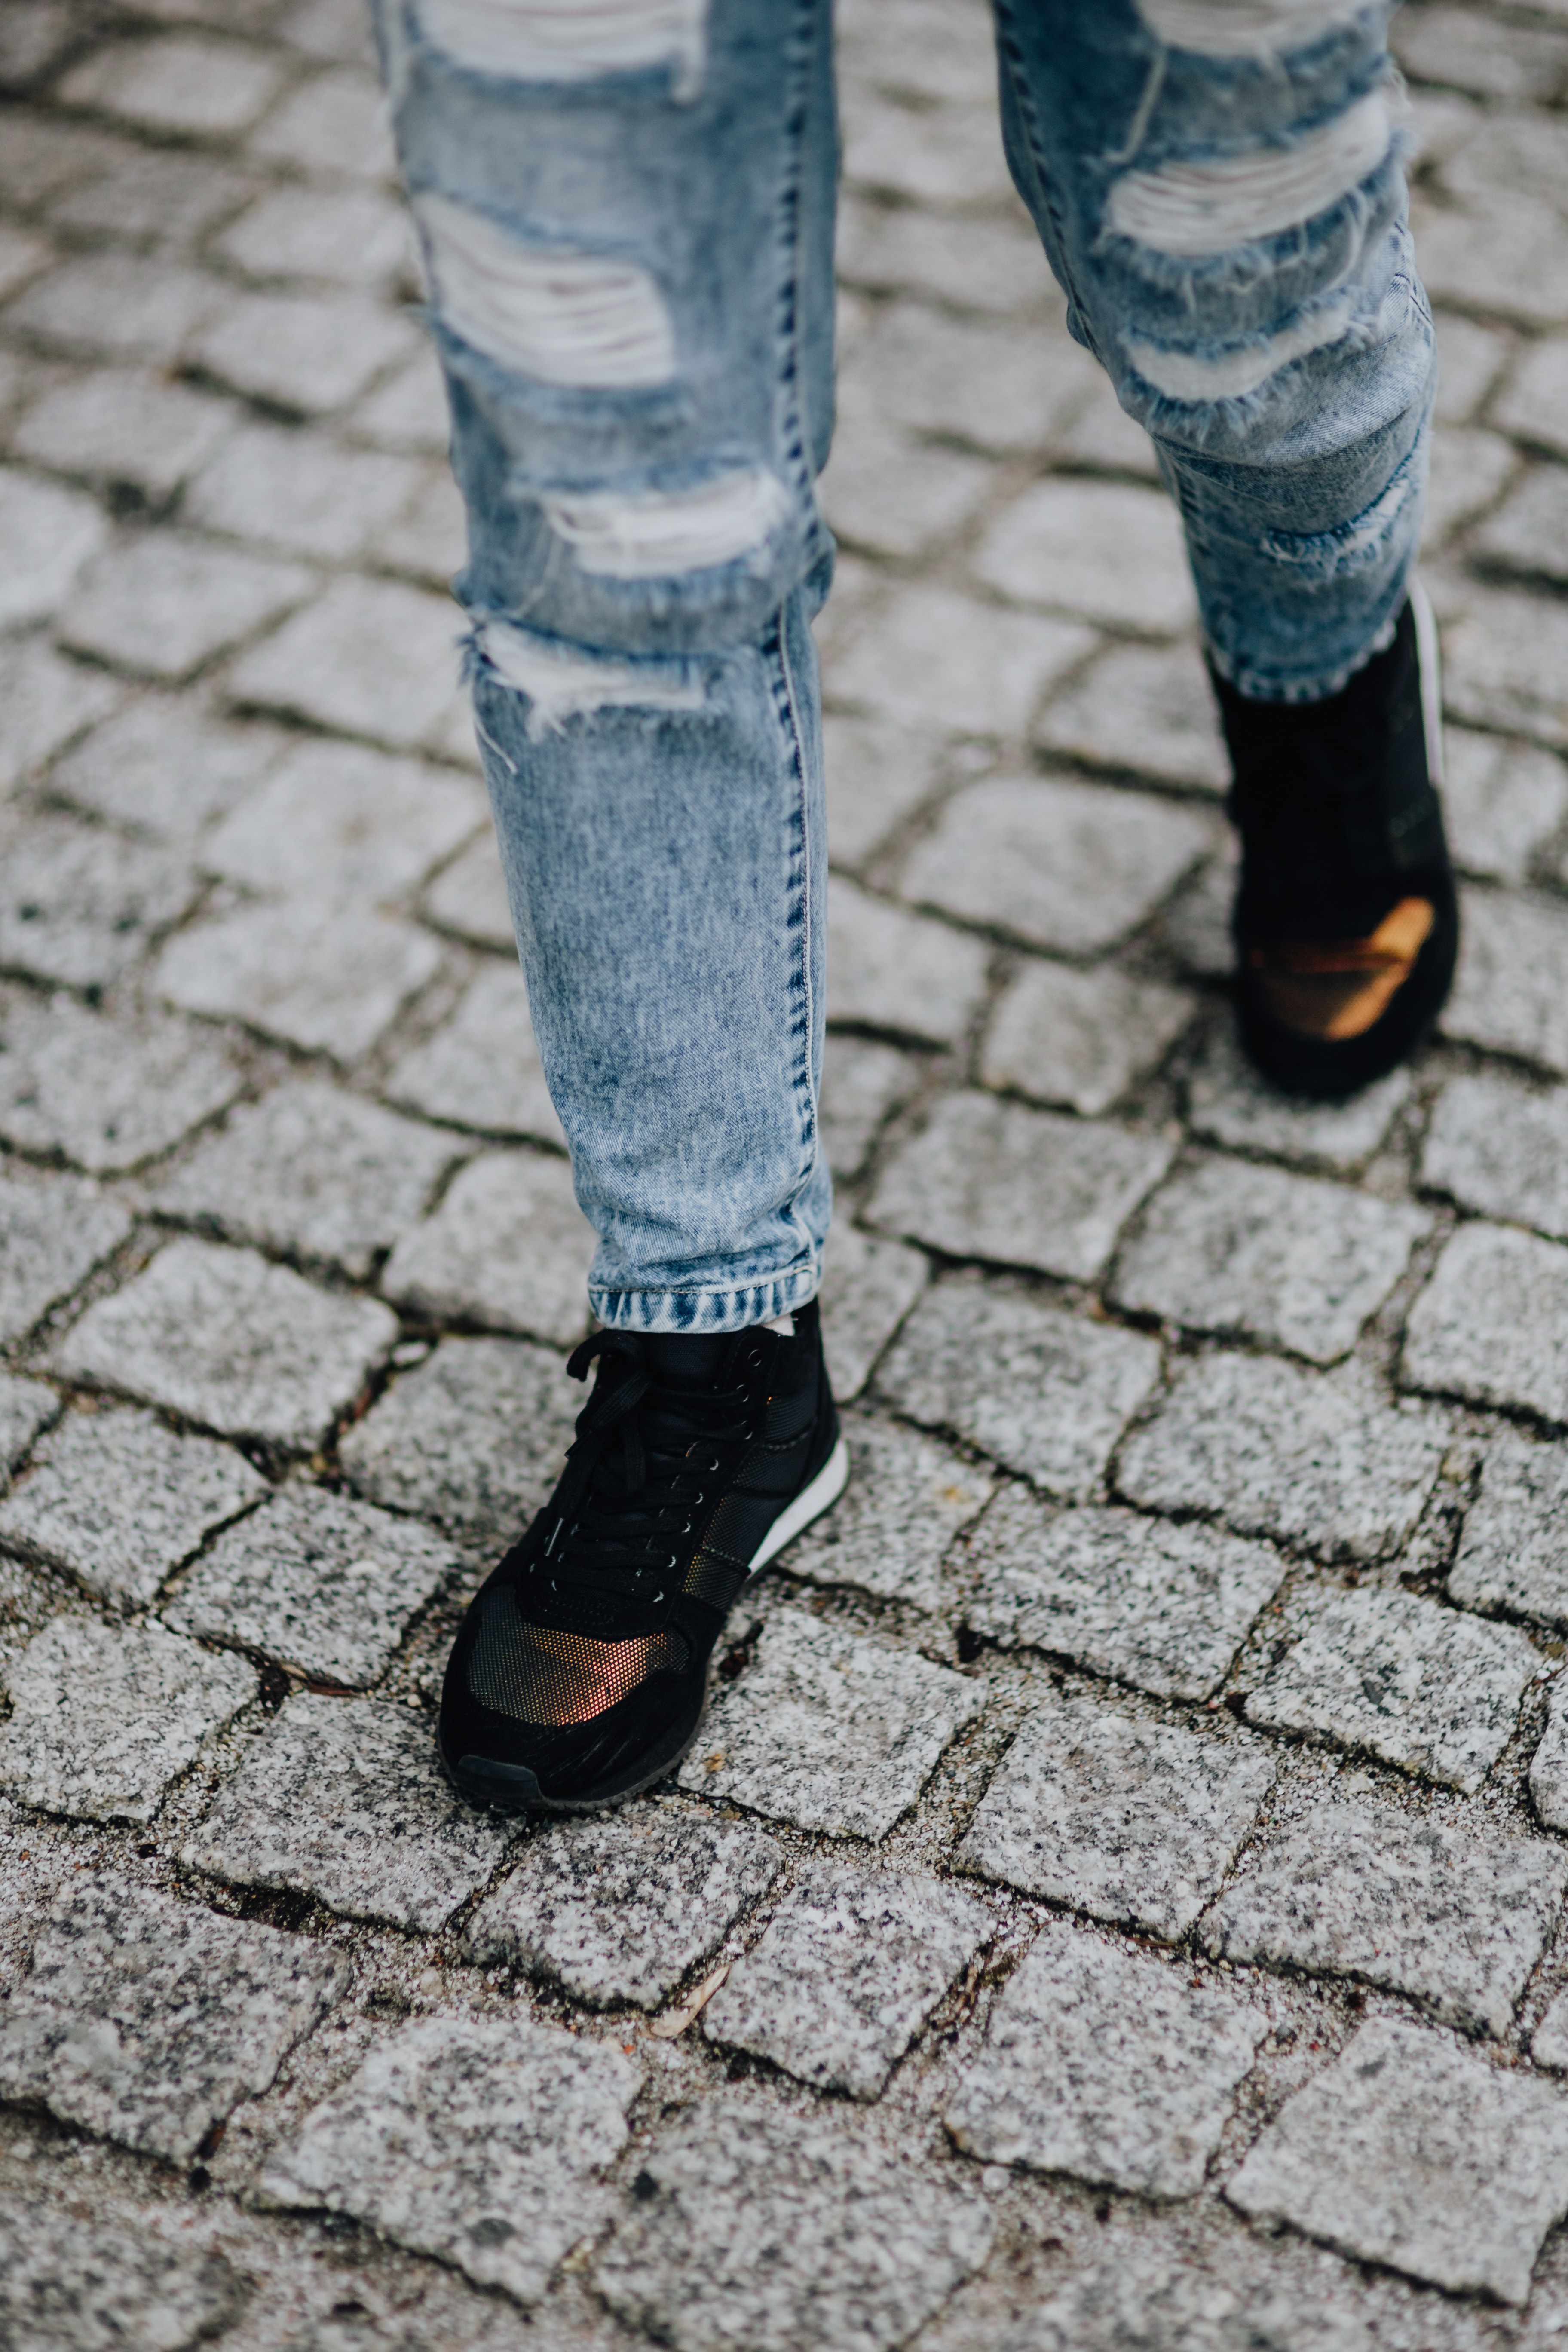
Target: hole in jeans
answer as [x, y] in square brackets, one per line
[571, 41]
[1245, 28]
[1189, 210]
[657, 535]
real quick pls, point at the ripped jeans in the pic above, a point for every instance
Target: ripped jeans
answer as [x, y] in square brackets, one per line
[626, 213]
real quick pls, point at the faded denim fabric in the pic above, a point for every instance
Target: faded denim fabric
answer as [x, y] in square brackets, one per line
[626, 213]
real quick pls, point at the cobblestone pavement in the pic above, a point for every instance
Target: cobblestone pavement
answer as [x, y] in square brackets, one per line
[1114, 1901]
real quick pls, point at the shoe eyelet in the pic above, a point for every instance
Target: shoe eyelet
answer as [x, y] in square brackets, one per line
[668, 1563]
[697, 1500]
[753, 1356]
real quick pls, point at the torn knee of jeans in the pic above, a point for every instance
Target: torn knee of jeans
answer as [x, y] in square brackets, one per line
[1250, 29]
[1356, 545]
[562, 682]
[569, 40]
[663, 535]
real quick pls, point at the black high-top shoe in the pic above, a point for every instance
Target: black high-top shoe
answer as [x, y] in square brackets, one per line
[580, 1671]
[1346, 922]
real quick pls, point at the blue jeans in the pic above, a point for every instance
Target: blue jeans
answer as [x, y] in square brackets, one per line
[626, 211]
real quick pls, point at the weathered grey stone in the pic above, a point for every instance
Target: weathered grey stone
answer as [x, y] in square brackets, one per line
[620, 1909]
[333, 126]
[827, 1731]
[163, 605]
[329, 978]
[473, 1438]
[1103, 550]
[104, 1093]
[1549, 1765]
[79, 904]
[1242, 2301]
[876, 775]
[868, 1289]
[149, 2020]
[979, 264]
[162, 768]
[928, 657]
[54, 532]
[862, 1083]
[1001, 388]
[481, 1068]
[508, 1247]
[1228, 1248]
[1470, 470]
[890, 969]
[345, 1799]
[1197, 924]
[1125, 1821]
[847, 1972]
[408, 410]
[942, 157]
[1227, 1102]
[357, 235]
[1162, 1607]
[337, 819]
[1321, 1463]
[88, 2280]
[1496, 1149]
[223, 1338]
[44, 701]
[1510, 61]
[887, 493]
[103, 1718]
[468, 897]
[26, 1408]
[905, 1502]
[1513, 1554]
[1492, 1323]
[1423, 1687]
[1409, 2151]
[1105, 2065]
[126, 428]
[307, 353]
[1502, 802]
[1047, 1394]
[429, 538]
[1079, 1038]
[1549, 2042]
[829, 2202]
[1510, 990]
[1456, 1918]
[1531, 405]
[1504, 254]
[1503, 656]
[478, 2140]
[314, 1172]
[1525, 533]
[121, 1501]
[185, 83]
[319, 1583]
[1071, 866]
[298, 492]
[992, 1179]
[116, 306]
[53, 1231]
[333, 664]
[1144, 709]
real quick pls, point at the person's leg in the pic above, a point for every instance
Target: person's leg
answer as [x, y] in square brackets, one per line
[626, 209]
[1220, 188]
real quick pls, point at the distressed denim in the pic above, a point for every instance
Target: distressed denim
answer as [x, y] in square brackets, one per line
[626, 208]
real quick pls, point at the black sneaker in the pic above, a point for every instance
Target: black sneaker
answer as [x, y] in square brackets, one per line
[1346, 922]
[580, 1671]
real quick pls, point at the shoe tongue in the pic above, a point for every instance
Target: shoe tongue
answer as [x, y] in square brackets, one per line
[687, 1359]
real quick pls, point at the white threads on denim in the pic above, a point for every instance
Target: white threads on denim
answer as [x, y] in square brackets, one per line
[1232, 374]
[1246, 28]
[658, 536]
[562, 686]
[572, 40]
[1192, 210]
[582, 320]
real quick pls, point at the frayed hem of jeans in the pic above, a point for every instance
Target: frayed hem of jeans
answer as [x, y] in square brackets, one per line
[672, 1311]
[1260, 685]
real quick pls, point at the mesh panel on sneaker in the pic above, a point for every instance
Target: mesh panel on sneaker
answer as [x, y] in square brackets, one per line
[543, 1674]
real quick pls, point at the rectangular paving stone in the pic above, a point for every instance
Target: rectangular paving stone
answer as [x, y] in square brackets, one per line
[1509, 989]
[72, 2283]
[1456, 1917]
[314, 1172]
[162, 766]
[299, 491]
[1502, 654]
[888, 969]
[340, 820]
[1146, 710]
[481, 1068]
[1492, 1323]
[481, 2141]
[930, 658]
[1529, 405]
[907, 1502]
[45, 701]
[53, 1231]
[1162, 1607]
[508, 1249]
[1102, 550]
[1228, 1103]
[308, 353]
[1502, 802]
[104, 1093]
[1496, 1149]
[827, 1731]
[868, 1287]
[1080, 1038]
[229, 1341]
[992, 1179]
[863, 1084]
[1054, 863]
[149, 2020]
[1549, 2042]
[186, 84]
[622, 1908]
[117, 306]
[1549, 1765]
[163, 605]
[998, 388]
[1105, 2065]
[1045, 1393]
[120, 1501]
[104, 1718]
[124, 428]
[1513, 1559]
[26, 1408]
[468, 897]
[830, 2202]
[1410, 2151]
[50, 533]
[333, 127]
[886, 493]
[1242, 2297]
[330, 665]
[79, 904]
[1125, 1821]
[316, 1582]
[1229, 1247]
[345, 1799]
[328, 979]
[1321, 1463]
[845, 1974]
[876, 775]
[1425, 1688]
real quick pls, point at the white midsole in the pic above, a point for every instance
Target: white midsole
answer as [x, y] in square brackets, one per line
[825, 1488]
[1430, 665]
